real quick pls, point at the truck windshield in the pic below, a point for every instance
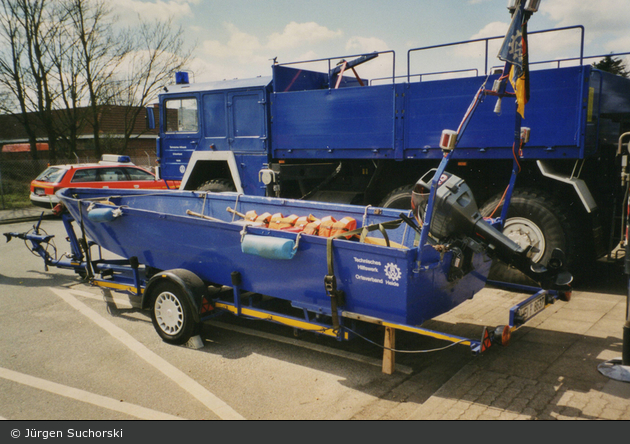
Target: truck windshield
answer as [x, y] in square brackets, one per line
[181, 115]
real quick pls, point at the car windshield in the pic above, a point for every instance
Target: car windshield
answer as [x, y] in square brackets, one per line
[52, 175]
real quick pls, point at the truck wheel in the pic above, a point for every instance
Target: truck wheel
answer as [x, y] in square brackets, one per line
[537, 219]
[217, 186]
[171, 314]
[399, 198]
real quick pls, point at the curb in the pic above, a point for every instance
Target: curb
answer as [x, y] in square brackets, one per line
[12, 219]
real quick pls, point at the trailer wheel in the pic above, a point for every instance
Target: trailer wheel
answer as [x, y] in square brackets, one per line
[171, 314]
[537, 219]
[399, 198]
[217, 186]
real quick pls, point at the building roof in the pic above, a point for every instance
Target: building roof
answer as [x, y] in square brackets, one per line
[112, 121]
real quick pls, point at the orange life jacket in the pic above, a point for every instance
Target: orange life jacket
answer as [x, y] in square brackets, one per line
[312, 227]
[279, 222]
[303, 221]
[275, 221]
[343, 226]
[287, 222]
[265, 218]
[251, 216]
[325, 229]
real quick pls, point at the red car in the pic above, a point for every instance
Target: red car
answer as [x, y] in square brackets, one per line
[111, 172]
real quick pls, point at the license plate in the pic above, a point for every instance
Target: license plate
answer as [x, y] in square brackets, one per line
[530, 309]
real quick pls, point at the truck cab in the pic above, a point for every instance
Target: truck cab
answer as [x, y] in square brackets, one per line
[221, 127]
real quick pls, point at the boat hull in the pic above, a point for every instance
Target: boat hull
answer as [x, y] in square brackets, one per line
[378, 281]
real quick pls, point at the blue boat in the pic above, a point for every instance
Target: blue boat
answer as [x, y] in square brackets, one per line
[389, 271]
[379, 281]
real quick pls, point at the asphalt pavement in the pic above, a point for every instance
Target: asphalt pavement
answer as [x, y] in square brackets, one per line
[554, 368]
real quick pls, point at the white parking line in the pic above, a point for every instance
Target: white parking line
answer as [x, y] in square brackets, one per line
[125, 302]
[216, 405]
[120, 300]
[81, 395]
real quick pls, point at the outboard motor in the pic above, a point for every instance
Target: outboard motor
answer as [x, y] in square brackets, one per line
[455, 214]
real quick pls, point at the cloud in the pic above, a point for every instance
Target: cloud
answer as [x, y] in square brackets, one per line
[241, 56]
[362, 45]
[162, 10]
[601, 16]
[239, 44]
[621, 42]
[247, 55]
[492, 29]
[295, 35]
[298, 34]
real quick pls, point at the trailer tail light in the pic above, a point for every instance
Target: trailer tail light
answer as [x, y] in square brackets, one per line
[486, 340]
[502, 335]
[525, 133]
[448, 140]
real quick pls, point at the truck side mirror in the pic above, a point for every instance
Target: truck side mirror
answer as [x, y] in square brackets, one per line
[150, 118]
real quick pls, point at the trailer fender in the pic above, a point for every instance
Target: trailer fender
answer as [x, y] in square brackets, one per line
[192, 286]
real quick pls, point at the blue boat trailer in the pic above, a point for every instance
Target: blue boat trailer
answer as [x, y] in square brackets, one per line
[189, 260]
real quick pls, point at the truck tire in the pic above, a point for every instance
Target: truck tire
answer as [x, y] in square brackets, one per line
[538, 219]
[399, 198]
[171, 314]
[217, 186]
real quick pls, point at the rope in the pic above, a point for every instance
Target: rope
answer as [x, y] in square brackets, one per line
[406, 351]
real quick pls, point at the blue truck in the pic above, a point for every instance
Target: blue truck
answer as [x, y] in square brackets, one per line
[331, 135]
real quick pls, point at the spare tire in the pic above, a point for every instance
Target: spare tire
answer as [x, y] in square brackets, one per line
[537, 219]
[217, 186]
[400, 198]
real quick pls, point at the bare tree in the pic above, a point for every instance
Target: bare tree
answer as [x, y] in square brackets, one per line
[63, 61]
[158, 52]
[101, 53]
[67, 57]
[25, 67]
[12, 75]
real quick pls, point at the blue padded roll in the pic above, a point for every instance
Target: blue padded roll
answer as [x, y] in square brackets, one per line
[268, 247]
[101, 215]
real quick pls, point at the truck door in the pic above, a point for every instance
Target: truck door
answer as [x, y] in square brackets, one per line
[180, 136]
[247, 122]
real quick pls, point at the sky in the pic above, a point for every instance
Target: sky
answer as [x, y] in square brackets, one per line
[241, 38]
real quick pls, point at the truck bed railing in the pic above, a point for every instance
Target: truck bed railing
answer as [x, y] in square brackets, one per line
[333, 70]
[427, 74]
[487, 41]
[581, 59]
